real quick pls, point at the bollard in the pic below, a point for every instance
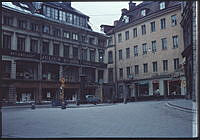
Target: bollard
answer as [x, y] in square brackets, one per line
[32, 106]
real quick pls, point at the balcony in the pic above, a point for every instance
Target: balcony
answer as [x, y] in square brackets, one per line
[17, 53]
[94, 64]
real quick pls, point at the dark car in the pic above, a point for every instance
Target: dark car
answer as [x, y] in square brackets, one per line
[92, 99]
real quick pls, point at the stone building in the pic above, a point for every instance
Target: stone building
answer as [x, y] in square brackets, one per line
[189, 26]
[144, 51]
[43, 42]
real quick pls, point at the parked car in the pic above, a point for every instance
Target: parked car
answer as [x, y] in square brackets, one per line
[92, 99]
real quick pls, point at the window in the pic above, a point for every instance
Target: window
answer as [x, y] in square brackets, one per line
[22, 24]
[92, 55]
[165, 65]
[136, 69]
[119, 38]
[153, 26]
[75, 52]
[121, 73]
[127, 35]
[175, 41]
[110, 57]
[46, 29]
[6, 69]
[162, 23]
[7, 41]
[7, 20]
[66, 51]
[34, 27]
[62, 16]
[84, 54]
[176, 63]
[162, 5]
[154, 66]
[74, 36]
[110, 41]
[134, 32]
[143, 29]
[101, 56]
[56, 32]
[51, 12]
[120, 54]
[164, 43]
[143, 12]
[173, 20]
[84, 38]
[144, 48]
[56, 49]
[128, 71]
[145, 67]
[127, 53]
[20, 44]
[92, 40]
[110, 74]
[66, 34]
[135, 49]
[153, 46]
[34, 46]
[45, 48]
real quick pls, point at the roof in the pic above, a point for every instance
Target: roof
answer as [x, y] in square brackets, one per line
[135, 13]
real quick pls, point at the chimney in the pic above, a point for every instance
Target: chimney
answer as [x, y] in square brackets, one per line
[115, 22]
[124, 10]
[131, 5]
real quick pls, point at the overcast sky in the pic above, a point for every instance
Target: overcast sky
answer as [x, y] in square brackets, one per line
[101, 12]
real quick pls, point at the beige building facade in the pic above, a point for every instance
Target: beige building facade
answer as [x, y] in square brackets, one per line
[148, 51]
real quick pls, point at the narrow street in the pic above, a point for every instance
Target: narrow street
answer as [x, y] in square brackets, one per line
[135, 119]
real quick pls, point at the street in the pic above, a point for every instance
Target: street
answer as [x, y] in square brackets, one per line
[135, 119]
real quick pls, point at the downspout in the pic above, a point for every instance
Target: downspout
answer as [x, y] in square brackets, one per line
[116, 81]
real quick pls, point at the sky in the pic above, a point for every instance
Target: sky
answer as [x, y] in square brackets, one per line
[102, 12]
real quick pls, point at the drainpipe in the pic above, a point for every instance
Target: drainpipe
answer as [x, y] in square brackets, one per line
[116, 81]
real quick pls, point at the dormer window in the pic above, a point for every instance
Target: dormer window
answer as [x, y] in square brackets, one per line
[125, 19]
[143, 12]
[162, 5]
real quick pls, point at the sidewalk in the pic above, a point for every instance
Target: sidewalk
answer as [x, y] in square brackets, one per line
[183, 105]
[50, 106]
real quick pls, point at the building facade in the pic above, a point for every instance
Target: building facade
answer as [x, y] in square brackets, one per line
[43, 42]
[189, 25]
[144, 51]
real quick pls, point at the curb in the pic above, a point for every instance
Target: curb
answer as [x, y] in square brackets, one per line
[180, 108]
[49, 106]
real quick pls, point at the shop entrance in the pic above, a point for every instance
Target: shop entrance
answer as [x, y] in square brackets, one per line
[175, 87]
[25, 94]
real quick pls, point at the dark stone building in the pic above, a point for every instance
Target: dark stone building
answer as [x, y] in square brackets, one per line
[189, 26]
[43, 42]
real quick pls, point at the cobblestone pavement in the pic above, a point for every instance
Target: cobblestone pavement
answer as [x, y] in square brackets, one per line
[136, 119]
